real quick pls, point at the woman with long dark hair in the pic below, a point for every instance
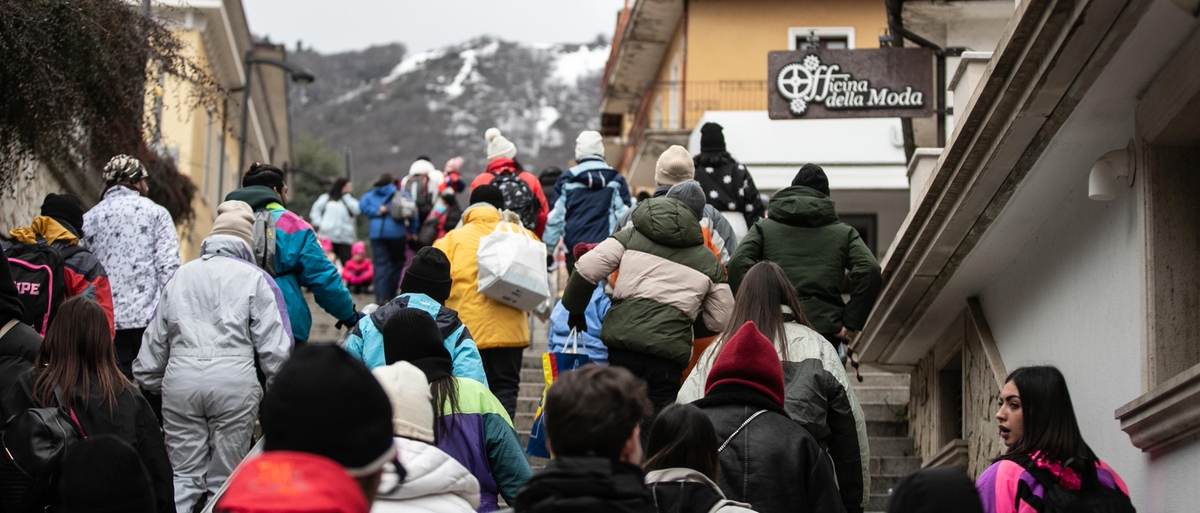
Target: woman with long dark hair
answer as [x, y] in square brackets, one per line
[333, 216]
[469, 422]
[78, 360]
[1037, 423]
[819, 395]
[682, 464]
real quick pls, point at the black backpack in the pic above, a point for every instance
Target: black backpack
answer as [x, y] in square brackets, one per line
[1091, 497]
[38, 271]
[518, 197]
[35, 441]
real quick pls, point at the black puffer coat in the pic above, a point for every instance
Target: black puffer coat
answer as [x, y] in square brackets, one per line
[583, 484]
[772, 463]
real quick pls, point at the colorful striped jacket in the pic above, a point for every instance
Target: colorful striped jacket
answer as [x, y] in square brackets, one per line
[999, 483]
[482, 438]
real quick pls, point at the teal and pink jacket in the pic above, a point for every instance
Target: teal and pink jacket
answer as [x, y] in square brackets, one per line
[999, 483]
[300, 263]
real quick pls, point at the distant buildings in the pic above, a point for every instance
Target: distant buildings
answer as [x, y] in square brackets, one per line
[205, 143]
[677, 64]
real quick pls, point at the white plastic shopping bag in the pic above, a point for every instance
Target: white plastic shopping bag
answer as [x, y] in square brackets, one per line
[512, 267]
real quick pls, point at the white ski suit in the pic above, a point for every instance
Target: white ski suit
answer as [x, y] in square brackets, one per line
[214, 316]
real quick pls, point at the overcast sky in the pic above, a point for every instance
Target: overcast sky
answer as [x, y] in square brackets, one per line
[332, 26]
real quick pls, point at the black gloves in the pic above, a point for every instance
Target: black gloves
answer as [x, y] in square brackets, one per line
[351, 322]
[577, 322]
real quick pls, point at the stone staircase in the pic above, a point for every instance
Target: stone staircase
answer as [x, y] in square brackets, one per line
[884, 400]
[323, 330]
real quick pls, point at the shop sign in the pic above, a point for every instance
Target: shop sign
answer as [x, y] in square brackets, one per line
[878, 83]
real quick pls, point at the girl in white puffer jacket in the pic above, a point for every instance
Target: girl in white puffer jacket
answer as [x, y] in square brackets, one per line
[434, 482]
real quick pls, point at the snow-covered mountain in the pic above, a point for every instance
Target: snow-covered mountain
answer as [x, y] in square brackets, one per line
[388, 107]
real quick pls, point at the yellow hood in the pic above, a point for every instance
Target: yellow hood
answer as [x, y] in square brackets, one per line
[48, 228]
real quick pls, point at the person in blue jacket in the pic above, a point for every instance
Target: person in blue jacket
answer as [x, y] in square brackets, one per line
[597, 308]
[425, 287]
[389, 237]
[299, 259]
[591, 197]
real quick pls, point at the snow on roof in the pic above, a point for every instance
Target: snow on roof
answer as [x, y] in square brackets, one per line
[865, 153]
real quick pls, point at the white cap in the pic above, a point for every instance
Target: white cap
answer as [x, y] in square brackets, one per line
[589, 143]
[412, 403]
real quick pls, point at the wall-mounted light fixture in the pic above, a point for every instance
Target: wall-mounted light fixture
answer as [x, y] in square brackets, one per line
[1110, 167]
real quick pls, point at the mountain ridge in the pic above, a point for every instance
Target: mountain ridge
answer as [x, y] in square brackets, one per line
[388, 106]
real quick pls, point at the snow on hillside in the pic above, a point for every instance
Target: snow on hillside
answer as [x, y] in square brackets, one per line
[439, 102]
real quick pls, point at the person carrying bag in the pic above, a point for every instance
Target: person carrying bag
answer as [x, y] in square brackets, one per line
[553, 364]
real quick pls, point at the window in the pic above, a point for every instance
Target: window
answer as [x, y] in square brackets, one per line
[867, 226]
[825, 38]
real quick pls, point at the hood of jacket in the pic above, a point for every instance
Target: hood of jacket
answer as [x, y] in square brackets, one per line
[47, 228]
[257, 196]
[431, 472]
[480, 212]
[226, 245]
[592, 173]
[585, 484]
[799, 205]
[497, 166]
[668, 221]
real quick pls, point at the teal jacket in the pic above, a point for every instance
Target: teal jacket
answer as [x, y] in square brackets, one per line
[366, 341]
[299, 262]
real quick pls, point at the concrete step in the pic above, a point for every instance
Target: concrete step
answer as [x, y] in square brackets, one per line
[878, 379]
[891, 446]
[886, 428]
[897, 466]
[532, 361]
[892, 395]
[523, 422]
[877, 503]
[533, 389]
[883, 485]
[884, 412]
[528, 404]
[532, 375]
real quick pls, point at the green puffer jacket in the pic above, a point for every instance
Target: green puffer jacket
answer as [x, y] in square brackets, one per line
[667, 282]
[803, 235]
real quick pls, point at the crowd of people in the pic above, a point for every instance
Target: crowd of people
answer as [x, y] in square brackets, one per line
[715, 327]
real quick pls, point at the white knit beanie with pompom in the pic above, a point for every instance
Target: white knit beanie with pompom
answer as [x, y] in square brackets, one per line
[498, 146]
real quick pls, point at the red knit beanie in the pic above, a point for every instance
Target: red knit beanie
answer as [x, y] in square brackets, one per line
[748, 359]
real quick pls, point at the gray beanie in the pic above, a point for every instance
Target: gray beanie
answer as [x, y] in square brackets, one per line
[691, 194]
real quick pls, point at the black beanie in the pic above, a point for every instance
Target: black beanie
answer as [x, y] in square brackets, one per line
[325, 402]
[102, 474]
[712, 138]
[811, 175]
[488, 194]
[10, 303]
[429, 274]
[411, 335]
[64, 208]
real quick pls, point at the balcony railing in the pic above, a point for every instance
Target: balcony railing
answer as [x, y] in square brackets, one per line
[680, 105]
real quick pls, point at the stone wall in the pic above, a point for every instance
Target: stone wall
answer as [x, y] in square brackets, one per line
[967, 343]
[22, 191]
[983, 377]
[922, 409]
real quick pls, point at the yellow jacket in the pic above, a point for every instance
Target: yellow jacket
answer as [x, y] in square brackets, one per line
[492, 324]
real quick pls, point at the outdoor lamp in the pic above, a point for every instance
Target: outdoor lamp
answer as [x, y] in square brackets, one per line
[1111, 166]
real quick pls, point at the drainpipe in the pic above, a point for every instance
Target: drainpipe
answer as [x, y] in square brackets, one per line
[683, 71]
[898, 33]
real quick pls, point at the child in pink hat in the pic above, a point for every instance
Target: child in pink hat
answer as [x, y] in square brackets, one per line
[358, 272]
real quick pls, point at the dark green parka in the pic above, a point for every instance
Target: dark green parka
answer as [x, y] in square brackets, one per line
[803, 235]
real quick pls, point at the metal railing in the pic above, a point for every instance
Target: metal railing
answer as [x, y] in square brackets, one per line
[680, 105]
